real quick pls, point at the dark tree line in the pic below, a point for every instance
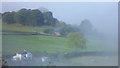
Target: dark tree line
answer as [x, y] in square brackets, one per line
[35, 17]
[29, 17]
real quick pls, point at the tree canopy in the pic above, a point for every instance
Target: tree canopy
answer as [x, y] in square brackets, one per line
[76, 41]
[8, 17]
[30, 17]
[86, 27]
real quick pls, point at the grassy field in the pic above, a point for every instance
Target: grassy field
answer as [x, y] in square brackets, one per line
[20, 28]
[12, 44]
[16, 28]
[16, 43]
[39, 43]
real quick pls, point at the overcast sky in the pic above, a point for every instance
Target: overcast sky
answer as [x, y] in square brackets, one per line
[103, 15]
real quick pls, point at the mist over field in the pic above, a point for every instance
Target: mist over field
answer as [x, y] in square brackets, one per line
[85, 33]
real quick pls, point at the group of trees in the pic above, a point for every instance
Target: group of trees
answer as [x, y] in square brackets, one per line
[37, 17]
[29, 17]
[65, 29]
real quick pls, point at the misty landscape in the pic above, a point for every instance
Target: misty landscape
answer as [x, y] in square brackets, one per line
[59, 34]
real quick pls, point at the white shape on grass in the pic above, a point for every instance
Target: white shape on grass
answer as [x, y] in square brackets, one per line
[44, 59]
[29, 55]
[17, 57]
[20, 56]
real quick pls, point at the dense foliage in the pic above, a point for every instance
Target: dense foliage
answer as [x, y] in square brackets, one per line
[8, 17]
[29, 17]
[76, 41]
[36, 17]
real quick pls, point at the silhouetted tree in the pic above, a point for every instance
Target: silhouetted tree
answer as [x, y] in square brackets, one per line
[86, 27]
